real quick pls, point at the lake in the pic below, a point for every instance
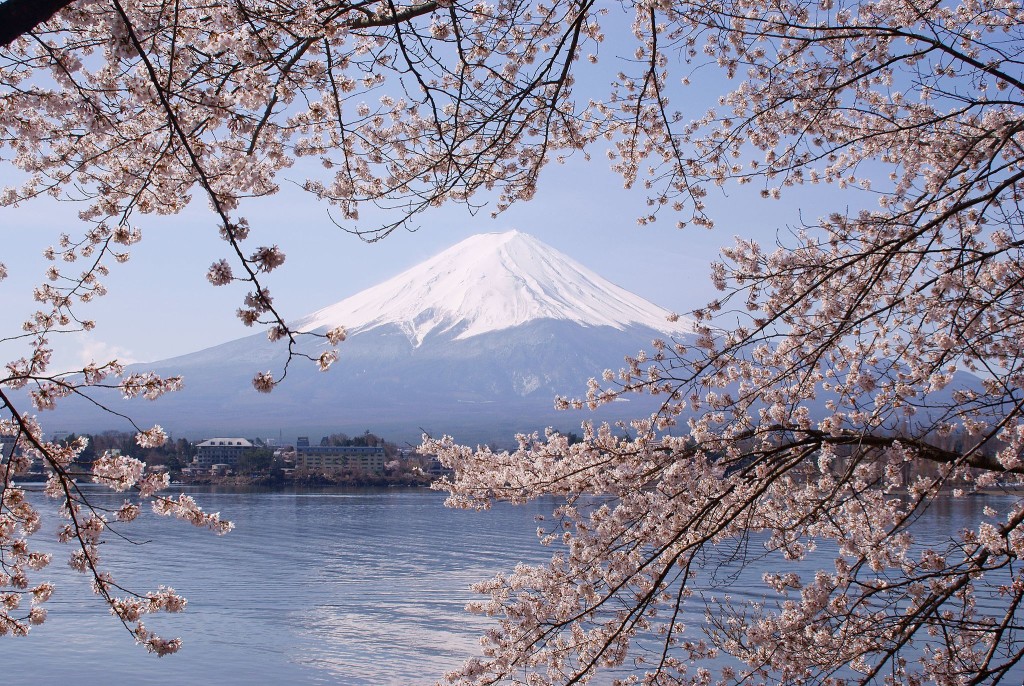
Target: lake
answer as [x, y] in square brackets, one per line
[313, 587]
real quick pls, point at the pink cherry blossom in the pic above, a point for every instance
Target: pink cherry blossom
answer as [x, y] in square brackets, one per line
[818, 406]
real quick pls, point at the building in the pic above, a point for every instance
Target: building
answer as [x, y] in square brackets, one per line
[7, 444]
[225, 451]
[335, 458]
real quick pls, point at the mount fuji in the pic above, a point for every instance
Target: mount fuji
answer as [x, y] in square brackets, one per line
[492, 282]
[474, 342]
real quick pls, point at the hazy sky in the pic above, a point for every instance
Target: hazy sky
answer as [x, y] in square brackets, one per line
[160, 305]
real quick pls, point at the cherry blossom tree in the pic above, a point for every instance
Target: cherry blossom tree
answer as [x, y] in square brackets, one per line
[128, 108]
[820, 408]
[818, 405]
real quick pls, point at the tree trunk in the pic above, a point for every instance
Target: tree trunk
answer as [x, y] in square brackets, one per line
[18, 17]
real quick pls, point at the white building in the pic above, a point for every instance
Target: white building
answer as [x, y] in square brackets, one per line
[221, 451]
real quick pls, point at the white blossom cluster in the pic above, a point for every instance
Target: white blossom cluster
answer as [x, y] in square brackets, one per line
[820, 405]
[129, 107]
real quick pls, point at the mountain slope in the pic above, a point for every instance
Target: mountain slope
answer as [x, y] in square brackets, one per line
[491, 282]
[476, 342]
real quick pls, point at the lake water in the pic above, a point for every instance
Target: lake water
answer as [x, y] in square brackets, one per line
[314, 587]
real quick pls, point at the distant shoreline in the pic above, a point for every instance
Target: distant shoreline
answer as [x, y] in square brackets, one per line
[320, 479]
[271, 481]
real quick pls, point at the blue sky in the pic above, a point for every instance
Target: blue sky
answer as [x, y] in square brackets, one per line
[160, 305]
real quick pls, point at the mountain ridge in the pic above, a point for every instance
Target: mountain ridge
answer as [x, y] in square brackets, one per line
[476, 341]
[490, 282]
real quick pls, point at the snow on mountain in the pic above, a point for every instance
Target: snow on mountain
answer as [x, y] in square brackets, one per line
[475, 342]
[490, 282]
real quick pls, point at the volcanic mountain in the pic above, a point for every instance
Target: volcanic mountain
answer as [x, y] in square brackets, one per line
[474, 342]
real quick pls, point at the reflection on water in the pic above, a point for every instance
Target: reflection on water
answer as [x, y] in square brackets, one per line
[317, 587]
[349, 587]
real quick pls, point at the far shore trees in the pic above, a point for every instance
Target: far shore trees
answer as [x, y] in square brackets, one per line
[847, 338]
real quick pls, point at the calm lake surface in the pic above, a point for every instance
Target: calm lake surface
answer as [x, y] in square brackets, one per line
[313, 587]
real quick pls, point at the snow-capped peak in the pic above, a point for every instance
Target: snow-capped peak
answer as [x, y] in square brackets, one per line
[490, 282]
